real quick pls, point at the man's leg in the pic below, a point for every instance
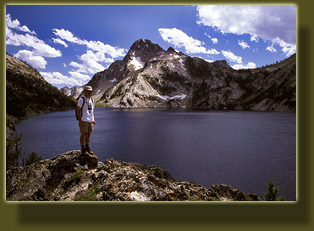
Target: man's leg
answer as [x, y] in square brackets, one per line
[87, 143]
[87, 136]
[82, 138]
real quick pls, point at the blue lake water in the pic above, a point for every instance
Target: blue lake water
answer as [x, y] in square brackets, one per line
[242, 149]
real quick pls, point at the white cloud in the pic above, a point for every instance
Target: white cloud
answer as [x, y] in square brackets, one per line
[287, 48]
[40, 48]
[231, 57]
[60, 41]
[266, 21]
[114, 52]
[97, 54]
[254, 38]
[241, 66]
[90, 62]
[30, 58]
[271, 49]
[68, 36]
[243, 44]
[215, 40]
[15, 24]
[64, 65]
[82, 78]
[98, 46]
[180, 39]
[76, 79]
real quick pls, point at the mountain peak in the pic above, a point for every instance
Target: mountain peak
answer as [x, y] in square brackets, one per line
[171, 50]
[145, 44]
[144, 49]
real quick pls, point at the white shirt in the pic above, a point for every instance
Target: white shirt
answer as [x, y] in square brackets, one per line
[87, 110]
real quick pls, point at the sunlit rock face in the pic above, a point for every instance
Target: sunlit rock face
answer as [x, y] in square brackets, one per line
[73, 176]
[150, 76]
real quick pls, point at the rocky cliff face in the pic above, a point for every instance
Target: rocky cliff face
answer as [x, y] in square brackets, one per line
[149, 76]
[72, 176]
[73, 92]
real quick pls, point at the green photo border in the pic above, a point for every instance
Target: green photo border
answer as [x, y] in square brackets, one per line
[242, 216]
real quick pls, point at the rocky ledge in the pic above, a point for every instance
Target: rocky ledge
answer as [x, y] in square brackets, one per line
[71, 176]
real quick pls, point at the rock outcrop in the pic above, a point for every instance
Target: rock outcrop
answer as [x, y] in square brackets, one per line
[73, 92]
[72, 176]
[150, 76]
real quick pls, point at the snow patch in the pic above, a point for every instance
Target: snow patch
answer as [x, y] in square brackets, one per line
[97, 92]
[181, 62]
[137, 63]
[113, 80]
[165, 97]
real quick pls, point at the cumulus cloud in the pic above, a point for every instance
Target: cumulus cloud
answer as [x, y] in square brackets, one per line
[75, 79]
[91, 62]
[68, 36]
[38, 46]
[98, 46]
[96, 55]
[241, 66]
[265, 21]
[180, 39]
[231, 57]
[287, 48]
[276, 23]
[59, 41]
[15, 24]
[271, 49]
[30, 58]
[243, 44]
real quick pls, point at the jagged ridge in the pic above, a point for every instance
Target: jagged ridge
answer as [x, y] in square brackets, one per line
[149, 76]
[72, 176]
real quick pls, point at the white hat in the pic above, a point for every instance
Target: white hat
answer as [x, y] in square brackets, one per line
[88, 88]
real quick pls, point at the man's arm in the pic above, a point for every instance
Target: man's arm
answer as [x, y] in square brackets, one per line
[78, 113]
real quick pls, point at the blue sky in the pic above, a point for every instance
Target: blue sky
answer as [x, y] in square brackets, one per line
[69, 44]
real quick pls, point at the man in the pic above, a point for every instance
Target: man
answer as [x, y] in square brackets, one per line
[85, 115]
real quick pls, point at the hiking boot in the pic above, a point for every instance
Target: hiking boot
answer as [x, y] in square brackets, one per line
[89, 151]
[84, 150]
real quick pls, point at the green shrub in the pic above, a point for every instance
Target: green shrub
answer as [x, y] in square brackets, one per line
[89, 195]
[33, 158]
[77, 176]
[158, 172]
[271, 194]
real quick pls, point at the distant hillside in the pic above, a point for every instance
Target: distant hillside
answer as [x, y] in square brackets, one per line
[149, 76]
[27, 93]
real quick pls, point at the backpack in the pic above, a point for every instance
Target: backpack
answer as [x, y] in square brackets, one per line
[82, 108]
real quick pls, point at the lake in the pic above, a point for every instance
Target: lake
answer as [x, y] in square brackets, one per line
[241, 149]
